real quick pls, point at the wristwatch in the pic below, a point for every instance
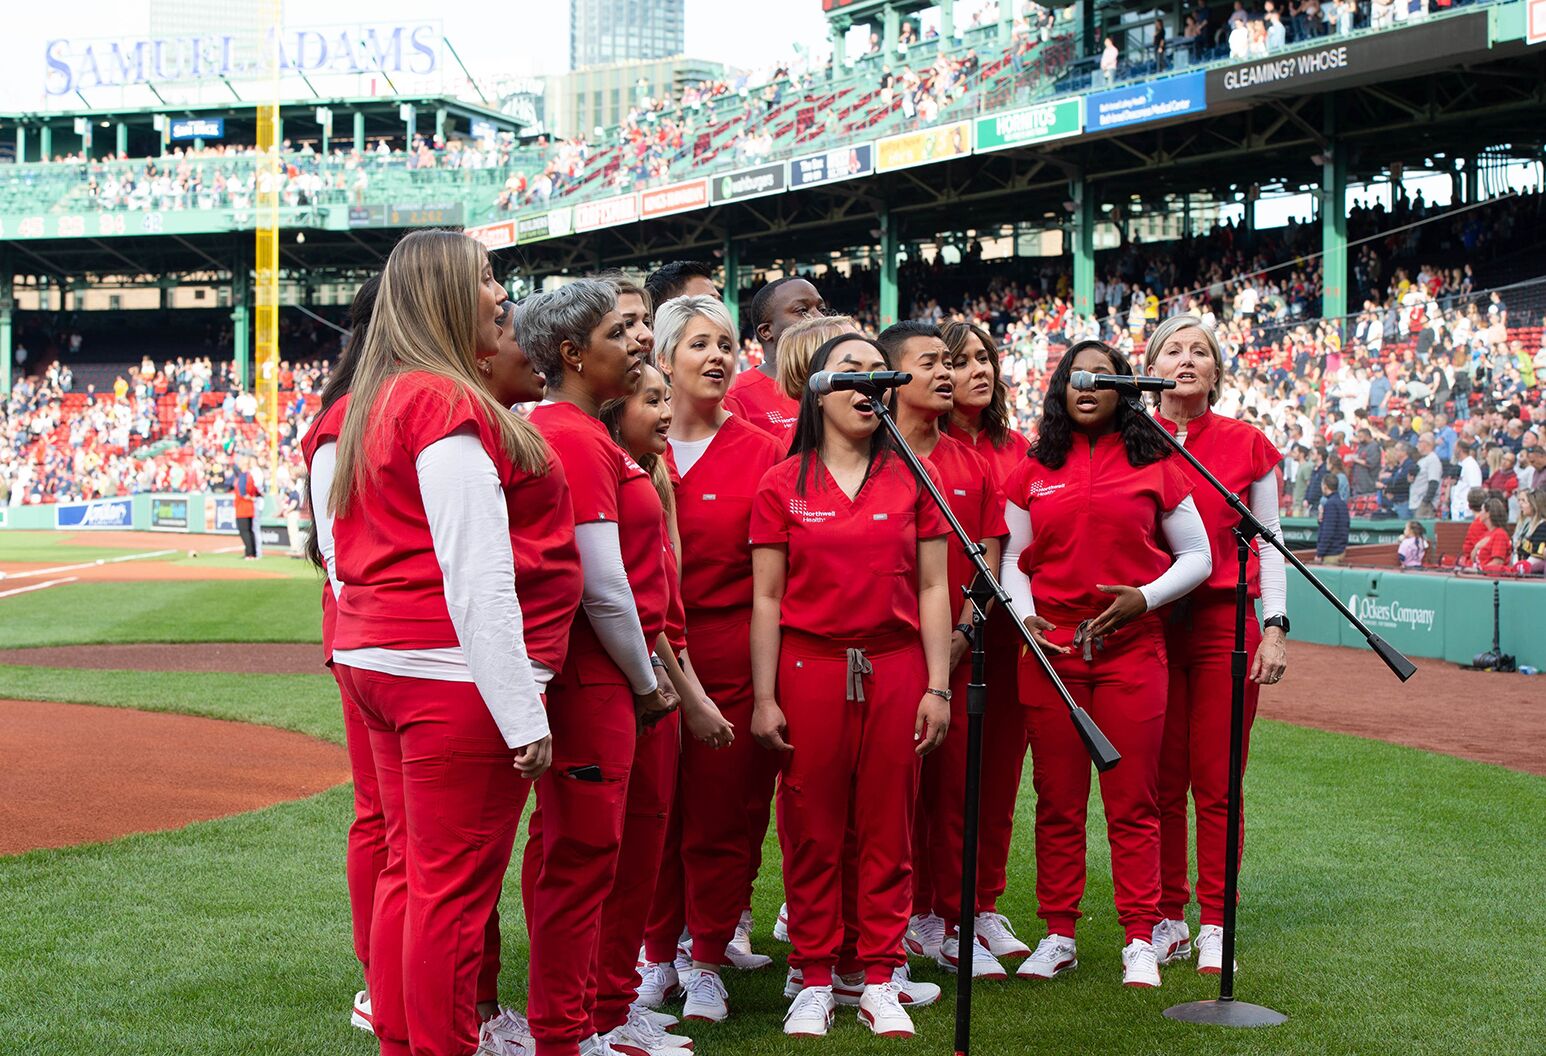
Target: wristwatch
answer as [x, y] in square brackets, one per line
[1280, 622]
[945, 693]
[967, 632]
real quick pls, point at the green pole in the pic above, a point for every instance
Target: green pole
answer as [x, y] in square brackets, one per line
[733, 283]
[892, 29]
[46, 144]
[241, 321]
[1333, 223]
[6, 352]
[947, 22]
[21, 143]
[889, 245]
[1084, 248]
[121, 140]
[359, 131]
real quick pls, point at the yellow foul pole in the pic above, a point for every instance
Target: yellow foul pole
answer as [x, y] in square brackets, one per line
[266, 289]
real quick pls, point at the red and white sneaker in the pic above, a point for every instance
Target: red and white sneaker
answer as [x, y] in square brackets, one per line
[881, 1010]
[810, 1014]
[781, 925]
[848, 989]
[1172, 941]
[999, 936]
[794, 982]
[1053, 956]
[925, 935]
[658, 983]
[1139, 964]
[1210, 950]
[639, 1036]
[707, 999]
[491, 1044]
[739, 949]
[359, 1017]
[511, 1026]
[984, 964]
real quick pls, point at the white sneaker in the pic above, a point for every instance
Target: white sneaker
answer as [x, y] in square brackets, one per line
[707, 999]
[984, 964]
[881, 1010]
[848, 989]
[359, 1016]
[925, 935]
[1139, 964]
[639, 1036]
[491, 1044]
[1210, 950]
[794, 982]
[811, 1013]
[596, 1045]
[658, 983]
[1172, 941]
[663, 1020]
[999, 936]
[1053, 956]
[683, 962]
[739, 949]
[512, 1027]
[781, 925]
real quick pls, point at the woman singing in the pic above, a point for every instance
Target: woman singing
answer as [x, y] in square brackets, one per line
[1200, 633]
[443, 501]
[850, 681]
[608, 689]
[1102, 534]
[980, 416]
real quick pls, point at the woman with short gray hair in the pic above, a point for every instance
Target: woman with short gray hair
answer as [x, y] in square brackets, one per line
[555, 328]
[1199, 632]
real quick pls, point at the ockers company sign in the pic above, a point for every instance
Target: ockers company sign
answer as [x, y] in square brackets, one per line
[1379, 613]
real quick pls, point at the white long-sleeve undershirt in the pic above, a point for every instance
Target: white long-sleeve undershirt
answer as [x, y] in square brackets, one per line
[320, 482]
[1184, 533]
[609, 603]
[469, 526]
[1274, 579]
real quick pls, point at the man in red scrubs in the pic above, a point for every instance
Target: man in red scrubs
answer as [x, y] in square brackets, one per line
[755, 395]
[967, 484]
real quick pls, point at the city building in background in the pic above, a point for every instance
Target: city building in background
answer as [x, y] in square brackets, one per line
[581, 101]
[602, 32]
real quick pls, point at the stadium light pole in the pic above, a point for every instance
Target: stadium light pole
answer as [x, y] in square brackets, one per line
[1227, 1011]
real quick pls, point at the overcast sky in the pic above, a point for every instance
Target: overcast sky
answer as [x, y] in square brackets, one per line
[522, 37]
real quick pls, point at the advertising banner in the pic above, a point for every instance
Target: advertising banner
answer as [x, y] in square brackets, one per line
[494, 236]
[1034, 124]
[555, 224]
[923, 147]
[220, 514]
[199, 128]
[676, 198]
[275, 536]
[607, 212]
[97, 513]
[750, 183]
[1141, 103]
[1353, 60]
[169, 513]
[843, 163]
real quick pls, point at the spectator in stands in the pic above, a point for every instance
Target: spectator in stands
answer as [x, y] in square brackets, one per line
[1424, 496]
[1414, 546]
[1331, 542]
[1396, 482]
[1493, 551]
[1469, 477]
[1366, 459]
[1476, 501]
[1530, 533]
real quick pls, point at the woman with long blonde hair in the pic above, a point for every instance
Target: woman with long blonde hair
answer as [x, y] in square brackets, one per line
[442, 501]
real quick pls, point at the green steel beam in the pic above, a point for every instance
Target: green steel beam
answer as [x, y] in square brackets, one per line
[241, 319]
[1085, 214]
[889, 245]
[6, 302]
[1333, 221]
[733, 283]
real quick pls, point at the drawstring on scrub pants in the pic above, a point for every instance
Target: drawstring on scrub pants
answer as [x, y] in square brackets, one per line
[1089, 642]
[858, 667]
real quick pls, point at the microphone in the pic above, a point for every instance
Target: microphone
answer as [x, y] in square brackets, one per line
[1084, 381]
[825, 381]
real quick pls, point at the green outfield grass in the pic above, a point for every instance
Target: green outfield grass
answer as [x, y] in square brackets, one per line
[1393, 898]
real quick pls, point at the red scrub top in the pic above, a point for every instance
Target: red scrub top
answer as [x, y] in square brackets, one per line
[852, 568]
[758, 398]
[967, 484]
[395, 598]
[324, 430]
[1095, 519]
[713, 515]
[1001, 460]
[607, 485]
[1239, 454]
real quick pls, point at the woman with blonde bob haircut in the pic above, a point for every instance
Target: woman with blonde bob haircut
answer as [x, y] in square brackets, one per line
[800, 343]
[1199, 632]
[443, 499]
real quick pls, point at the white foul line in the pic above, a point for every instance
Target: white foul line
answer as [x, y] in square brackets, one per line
[34, 573]
[38, 586]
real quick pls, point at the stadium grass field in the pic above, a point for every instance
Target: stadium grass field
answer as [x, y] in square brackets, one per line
[1393, 898]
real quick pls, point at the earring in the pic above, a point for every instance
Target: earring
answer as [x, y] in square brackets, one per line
[579, 368]
[485, 366]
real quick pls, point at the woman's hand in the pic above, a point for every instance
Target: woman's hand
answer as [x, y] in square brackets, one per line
[769, 726]
[708, 724]
[655, 705]
[533, 759]
[1271, 661]
[1039, 628]
[932, 724]
[959, 647]
[1128, 605]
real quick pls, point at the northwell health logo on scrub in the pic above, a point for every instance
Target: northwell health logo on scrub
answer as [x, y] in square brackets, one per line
[1153, 102]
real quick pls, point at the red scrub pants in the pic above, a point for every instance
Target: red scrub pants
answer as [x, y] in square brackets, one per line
[450, 798]
[572, 851]
[1200, 638]
[939, 818]
[366, 853]
[851, 758]
[1123, 687]
[1004, 741]
[721, 814]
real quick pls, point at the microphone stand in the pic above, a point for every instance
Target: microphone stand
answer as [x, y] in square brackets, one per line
[1227, 1011]
[985, 587]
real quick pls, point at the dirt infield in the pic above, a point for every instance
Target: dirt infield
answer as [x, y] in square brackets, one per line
[1488, 717]
[240, 658]
[79, 774]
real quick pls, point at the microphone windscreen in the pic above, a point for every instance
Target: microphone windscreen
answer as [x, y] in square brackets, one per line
[821, 382]
[1082, 380]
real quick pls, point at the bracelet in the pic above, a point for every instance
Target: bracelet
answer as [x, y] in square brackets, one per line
[944, 693]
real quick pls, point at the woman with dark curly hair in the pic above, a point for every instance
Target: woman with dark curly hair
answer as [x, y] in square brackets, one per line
[1116, 538]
